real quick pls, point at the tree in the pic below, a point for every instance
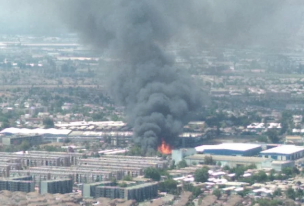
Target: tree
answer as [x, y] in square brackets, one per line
[98, 116]
[244, 192]
[135, 151]
[201, 175]
[290, 193]
[262, 139]
[290, 171]
[261, 176]
[208, 160]
[128, 178]
[152, 173]
[277, 192]
[196, 191]
[25, 145]
[273, 136]
[5, 124]
[48, 123]
[123, 184]
[169, 185]
[182, 164]
[217, 193]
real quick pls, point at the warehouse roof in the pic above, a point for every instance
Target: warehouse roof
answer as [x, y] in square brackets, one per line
[26, 131]
[228, 158]
[283, 149]
[228, 146]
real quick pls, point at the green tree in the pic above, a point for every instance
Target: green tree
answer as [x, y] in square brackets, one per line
[169, 185]
[261, 176]
[208, 160]
[273, 136]
[290, 193]
[299, 193]
[48, 123]
[201, 175]
[244, 192]
[262, 139]
[25, 145]
[123, 184]
[152, 173]
[128, 178]
[217, 193]
[5, 124]
[182, 164]
[98, 116]
[135, 151]
[277, 192]
[196, 191]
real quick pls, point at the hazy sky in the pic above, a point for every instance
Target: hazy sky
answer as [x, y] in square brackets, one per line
[214, 20]
[30, 16]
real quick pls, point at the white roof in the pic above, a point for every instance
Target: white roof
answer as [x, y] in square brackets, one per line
[217, 173]
[26, 131]
[247, 175]
[228, 146]
[262, 190]
[238, 189]
[83, 123]
[283, 149]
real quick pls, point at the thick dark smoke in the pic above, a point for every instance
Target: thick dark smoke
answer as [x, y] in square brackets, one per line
[158, 98]
[136, 33]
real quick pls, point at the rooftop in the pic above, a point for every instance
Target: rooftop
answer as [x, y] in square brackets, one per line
[228, 146]
[228, 158]
[40, 131]
[284, 149]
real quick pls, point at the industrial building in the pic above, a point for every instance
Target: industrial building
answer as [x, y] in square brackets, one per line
[61, 186]
[284, 153]
[179, 154]
[190, 139]
[231, 161]
[22, 184]
[230, 149]
[47, 134]
[17, 140]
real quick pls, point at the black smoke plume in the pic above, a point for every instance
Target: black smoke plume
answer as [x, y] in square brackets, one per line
[159, 98]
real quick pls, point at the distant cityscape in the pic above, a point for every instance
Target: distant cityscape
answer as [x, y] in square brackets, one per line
[63, 139]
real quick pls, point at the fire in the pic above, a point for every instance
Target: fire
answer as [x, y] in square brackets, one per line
[164, 148]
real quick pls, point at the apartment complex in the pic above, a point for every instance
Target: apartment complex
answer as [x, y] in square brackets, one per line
[22, 184]
[61, 186]
[133, 190]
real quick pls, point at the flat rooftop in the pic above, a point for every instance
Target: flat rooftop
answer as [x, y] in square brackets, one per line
[284, 149]
[228, 146]
[228, 158]
[39, 131]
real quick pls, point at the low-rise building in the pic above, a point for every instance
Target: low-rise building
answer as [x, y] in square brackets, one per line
[294, 139]
[17, 140]
[56, 186]
[231, 161]
[230, 149]
[138, 192]
[284, 153]
[22, 184]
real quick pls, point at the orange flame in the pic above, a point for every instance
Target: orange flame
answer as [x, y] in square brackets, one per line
[164, 148]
